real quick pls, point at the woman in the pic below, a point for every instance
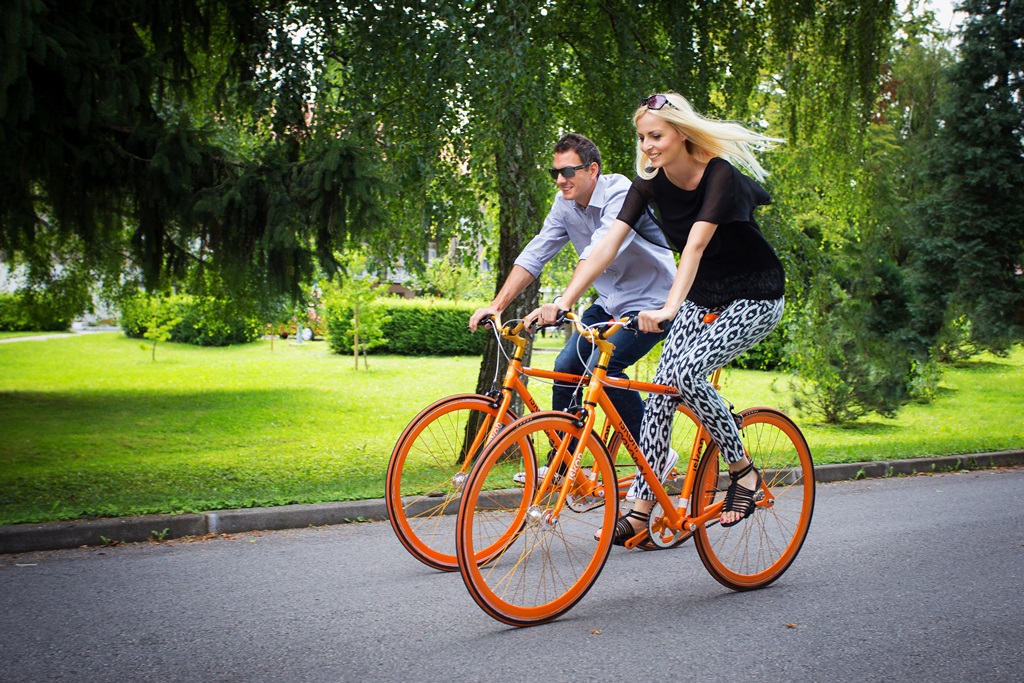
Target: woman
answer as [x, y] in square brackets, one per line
[704, 209]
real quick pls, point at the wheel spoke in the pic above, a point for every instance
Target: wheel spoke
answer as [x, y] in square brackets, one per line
[758, 550]
[521, 565]
[421, 489]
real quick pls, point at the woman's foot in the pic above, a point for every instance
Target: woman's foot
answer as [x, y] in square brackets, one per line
[628, 526]
[744, 483]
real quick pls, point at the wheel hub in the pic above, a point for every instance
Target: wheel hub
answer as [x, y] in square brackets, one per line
[538, 516]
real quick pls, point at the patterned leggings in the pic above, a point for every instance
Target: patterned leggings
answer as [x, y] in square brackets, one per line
[691, 352]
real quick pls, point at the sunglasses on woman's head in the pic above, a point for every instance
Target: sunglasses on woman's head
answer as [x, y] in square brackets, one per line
[568, 171]
[655, 102]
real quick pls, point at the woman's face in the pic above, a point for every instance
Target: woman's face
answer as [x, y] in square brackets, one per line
[659, 140]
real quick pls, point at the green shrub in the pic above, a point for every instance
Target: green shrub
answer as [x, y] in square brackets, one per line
[202, 320]
[32, 310]
[417, 327]
[13, 317]
[340, 308]
[206, 321]
[136, 314]
[845, 370]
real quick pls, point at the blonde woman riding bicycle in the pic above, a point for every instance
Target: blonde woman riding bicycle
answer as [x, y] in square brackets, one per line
[703, 207]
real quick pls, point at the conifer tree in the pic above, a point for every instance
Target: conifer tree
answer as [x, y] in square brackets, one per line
[181, 135]
[970, 252]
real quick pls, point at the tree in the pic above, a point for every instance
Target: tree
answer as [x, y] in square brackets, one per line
[495, 83]
[159, 331]
[114, 128]
[253, 137]
[457, 97]
[967, 263]
[355, 316]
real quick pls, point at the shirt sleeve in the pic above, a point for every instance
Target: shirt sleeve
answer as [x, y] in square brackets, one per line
[636, 201]
[549, 241]
[730, 196]
[637, 213]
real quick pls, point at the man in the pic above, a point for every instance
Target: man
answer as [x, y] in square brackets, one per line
[638, 279]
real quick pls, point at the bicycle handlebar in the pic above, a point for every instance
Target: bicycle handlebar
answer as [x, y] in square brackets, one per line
[510, 328]
[595, 334]
[624, 322]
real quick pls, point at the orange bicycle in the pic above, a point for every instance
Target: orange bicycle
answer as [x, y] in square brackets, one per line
[527, 555]
[433, 456]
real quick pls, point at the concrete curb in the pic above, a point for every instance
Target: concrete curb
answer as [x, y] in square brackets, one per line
[21, 538]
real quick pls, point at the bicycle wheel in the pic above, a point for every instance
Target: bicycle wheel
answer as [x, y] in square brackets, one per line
[685, 431]
[522, 562]
[427, 472]
[758, 550]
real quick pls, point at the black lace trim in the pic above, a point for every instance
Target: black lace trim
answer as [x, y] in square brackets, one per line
[763, 285]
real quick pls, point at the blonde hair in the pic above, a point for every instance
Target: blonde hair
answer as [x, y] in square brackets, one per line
[706, 138]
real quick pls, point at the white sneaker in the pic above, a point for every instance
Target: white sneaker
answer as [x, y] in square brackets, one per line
[673, 458]
[520, 477]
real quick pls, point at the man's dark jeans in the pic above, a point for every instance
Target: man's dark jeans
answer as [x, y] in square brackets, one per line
[629, 348]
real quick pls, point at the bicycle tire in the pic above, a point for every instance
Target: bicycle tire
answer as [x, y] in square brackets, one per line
[425, 475]
[758, 550]
[520, 566]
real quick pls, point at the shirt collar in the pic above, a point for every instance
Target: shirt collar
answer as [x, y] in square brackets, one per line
[597, 198]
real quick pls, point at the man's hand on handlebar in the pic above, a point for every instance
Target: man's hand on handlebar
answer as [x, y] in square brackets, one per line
[480, 314]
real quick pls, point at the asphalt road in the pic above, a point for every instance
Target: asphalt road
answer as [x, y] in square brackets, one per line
[903, 579]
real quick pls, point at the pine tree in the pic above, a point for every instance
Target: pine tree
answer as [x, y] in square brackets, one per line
[968, 260]
[182, 134]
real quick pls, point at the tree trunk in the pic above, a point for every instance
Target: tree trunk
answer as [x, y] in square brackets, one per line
[355, 335]
[519, 220]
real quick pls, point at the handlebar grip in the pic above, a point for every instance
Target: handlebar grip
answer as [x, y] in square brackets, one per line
[559, 321]
[634, 324]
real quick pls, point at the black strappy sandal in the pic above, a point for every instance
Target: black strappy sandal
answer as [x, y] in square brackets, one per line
[739, 498]
[624, 530]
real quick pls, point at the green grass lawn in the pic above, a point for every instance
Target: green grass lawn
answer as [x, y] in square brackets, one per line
[92, 427]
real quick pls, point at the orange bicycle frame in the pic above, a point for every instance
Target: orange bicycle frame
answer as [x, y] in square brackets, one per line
[596, 396]
[513, 385]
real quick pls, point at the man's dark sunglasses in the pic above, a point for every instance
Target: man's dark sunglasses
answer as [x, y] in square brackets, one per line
[568, 171]
[655, 102]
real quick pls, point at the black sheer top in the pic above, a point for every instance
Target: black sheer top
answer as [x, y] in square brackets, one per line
[738, 262]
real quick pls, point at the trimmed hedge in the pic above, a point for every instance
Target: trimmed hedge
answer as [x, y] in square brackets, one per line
[23, 312]
[202, 320]
[418, 327]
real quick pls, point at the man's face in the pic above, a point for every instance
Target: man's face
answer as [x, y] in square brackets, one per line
[580, 187]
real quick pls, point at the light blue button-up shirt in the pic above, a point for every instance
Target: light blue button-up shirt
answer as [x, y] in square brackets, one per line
[641, 274]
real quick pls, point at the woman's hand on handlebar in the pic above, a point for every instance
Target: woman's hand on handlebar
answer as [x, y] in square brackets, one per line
[545, 315]
[655, 321]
